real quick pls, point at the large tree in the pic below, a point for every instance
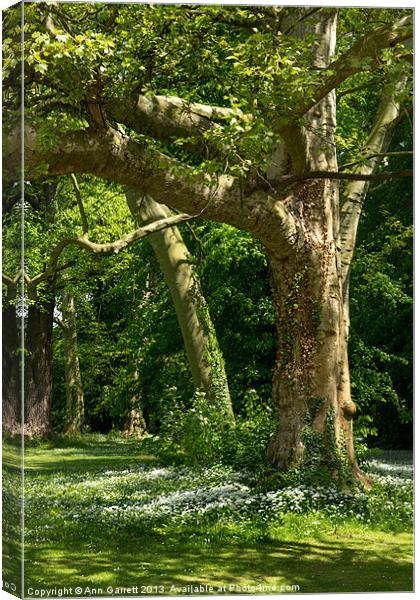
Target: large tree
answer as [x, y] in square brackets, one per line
[230, 114]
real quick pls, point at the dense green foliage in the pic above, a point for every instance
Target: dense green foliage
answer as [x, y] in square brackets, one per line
[126, 324]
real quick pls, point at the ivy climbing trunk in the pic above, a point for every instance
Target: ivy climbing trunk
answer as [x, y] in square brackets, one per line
[204, 356]
[311, 384]
[38, 368]
[75, 406]
[11, 381]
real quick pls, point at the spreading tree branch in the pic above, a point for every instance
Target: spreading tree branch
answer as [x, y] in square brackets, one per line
[169, 117]
[110, 247]
[11, 283]
[111, 155]
[12, 280]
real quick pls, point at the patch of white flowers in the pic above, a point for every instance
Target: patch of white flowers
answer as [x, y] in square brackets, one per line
[397, 470]
[145, 495]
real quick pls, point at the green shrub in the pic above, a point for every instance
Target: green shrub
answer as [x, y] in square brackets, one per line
[246, 447]
[201, 435]
[196, 433]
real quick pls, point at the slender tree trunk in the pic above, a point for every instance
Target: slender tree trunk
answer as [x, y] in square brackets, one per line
[75, 406]
[135, 425]
[11, 383]
[344, 390]
[203, 352]
[38, 369]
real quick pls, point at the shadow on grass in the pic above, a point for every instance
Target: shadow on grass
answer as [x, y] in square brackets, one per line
[346, 565]
[76, 454]
[360, 561]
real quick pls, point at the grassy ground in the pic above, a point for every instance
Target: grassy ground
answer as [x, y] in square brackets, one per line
[104, 514]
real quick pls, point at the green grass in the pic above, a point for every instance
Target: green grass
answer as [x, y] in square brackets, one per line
[344, 561]
[73, 537]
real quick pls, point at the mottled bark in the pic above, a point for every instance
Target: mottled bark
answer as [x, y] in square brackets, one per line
[311, 387]
[75, 406]
[38, 369]
[204, 355]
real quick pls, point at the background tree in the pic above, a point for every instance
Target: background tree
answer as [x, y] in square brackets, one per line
[75, 404]
[201, 345]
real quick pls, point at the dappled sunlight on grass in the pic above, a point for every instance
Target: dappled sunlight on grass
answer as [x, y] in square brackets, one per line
[83, 454]
[346, 564]
[104, 512]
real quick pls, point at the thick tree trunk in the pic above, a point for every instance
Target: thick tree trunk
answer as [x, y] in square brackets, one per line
[311, 386]
[203, 352]
[38, 369]
[75, 406]
[11, 382]
[311, 383]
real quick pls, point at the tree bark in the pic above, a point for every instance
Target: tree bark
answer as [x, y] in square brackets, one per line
[135, 425]
[201, 346]
[311, 386]
[75, 406]
[38, 369]
[11, 382]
